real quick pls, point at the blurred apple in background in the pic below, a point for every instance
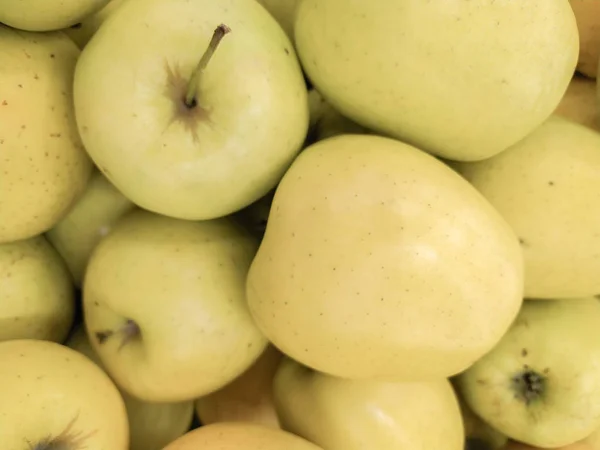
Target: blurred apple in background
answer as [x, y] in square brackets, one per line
[88, 221]
[248, 398]
[579, 103]
[587, 13]
[36, 292]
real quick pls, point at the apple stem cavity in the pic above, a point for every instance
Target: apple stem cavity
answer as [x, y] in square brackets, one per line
[529, 386]
[67, 440]
[128, 332]
[191, 99]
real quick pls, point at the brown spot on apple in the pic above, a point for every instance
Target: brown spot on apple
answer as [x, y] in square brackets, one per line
[128, 332]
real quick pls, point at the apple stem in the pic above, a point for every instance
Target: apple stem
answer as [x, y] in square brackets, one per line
[192, 90]
[128, 332]
[529, 386]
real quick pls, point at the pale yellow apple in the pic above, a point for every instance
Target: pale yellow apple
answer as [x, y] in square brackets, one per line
[36, 292]
[165, 306]
[248, 398]
[461, 79]
[240, 435]
[285, 13]
[184, 139]
[379, 261]
[47, 15]
[587, 13]
[151, 425]
[341, 414]
[89, 220]
[83, 31]
[43, 165]
[541, 384]
[55, 398]
[547, 188]
[579, 103]
[594, 439]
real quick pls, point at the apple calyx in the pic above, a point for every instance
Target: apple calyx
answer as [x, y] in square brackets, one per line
[128, 332]
[191, 100]
[529, 385]
[66, 440]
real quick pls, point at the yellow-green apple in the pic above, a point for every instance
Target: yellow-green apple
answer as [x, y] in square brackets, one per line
[46, 15]
[191, 135]
[83, 31]
[37, 294]
[379, 261]
[89, 220]
[165, 306]
[240, 435]
[541, 384]
[342, 414]
[44, 167]
[54, 398]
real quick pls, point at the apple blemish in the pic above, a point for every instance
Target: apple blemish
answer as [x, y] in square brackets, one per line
[128, 332]
[529, 385]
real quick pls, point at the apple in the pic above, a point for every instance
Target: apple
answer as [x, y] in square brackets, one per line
[240, 435]
[285, 13]
[248, 398]
[462, 80]
[44, 167]
[36, 296]
[46, 15]
[165, 307]
[342, 414]
[191, 135]
[89, 220]
[55, 398]
[379, 261]
[151, 425]
[582, 445]
[541, 384]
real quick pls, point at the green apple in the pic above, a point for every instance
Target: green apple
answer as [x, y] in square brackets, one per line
[547, 187]
[151, 425]
[88, 221]
[240, 435]
[46, 15]
[44, 167]
[541, 384]
[579, 102]
[83, 31]
[379, 261]
[462, 80]
[248, 398]
[36, 295]
[341, 414]
[191, 137]
[54, 398]
[165, 307]
[285, 13]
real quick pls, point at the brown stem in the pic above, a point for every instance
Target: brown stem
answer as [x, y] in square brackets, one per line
[128, 332]
[192, 91]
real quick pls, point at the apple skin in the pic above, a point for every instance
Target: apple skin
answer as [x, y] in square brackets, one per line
[201, 162]
[240, 435]
[37, 295]
[151, 425]
[182, 284]
[581, 445]
[100, 206]
[46, 15]
[342, 414]
[44, 167]
[50, 391]
[82, 32]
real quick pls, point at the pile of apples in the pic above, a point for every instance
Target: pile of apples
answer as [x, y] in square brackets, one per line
[299, 225]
